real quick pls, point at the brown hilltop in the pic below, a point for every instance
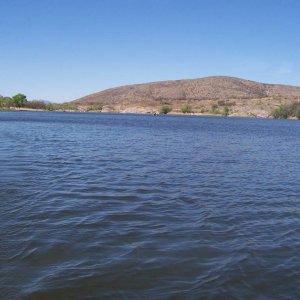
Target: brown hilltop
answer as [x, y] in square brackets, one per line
[199, 93]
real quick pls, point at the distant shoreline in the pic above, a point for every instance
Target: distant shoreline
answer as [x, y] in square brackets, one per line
[141, 113]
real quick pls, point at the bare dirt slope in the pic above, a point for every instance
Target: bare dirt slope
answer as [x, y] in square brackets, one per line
[199, 93]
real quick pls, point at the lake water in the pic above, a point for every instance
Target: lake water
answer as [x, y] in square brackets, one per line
[106, 206]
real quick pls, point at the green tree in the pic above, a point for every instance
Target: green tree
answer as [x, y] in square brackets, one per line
[19, 100]
[165, 109]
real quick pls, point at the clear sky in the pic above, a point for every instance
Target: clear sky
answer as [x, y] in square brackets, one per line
[60, 50]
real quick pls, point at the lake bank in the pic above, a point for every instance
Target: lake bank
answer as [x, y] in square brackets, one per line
[145, 112]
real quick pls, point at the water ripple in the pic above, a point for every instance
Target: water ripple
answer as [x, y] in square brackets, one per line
[104, 206]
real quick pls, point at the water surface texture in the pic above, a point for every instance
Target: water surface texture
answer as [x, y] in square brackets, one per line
[103, 206]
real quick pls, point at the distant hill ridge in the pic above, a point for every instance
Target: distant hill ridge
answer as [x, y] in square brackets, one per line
[207, 88]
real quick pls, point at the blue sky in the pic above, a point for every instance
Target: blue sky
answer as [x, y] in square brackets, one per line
[60, 50]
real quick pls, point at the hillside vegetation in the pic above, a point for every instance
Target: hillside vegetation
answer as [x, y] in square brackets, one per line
[20, 102]
[209, 95]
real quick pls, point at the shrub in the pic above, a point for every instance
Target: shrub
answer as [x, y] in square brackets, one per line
[165, 109]
[280, 113]
[214, 109]
[186, 109]
[95, 107]
[50, 106]
[225, 111]
[35, 104]
[298, 114]
[66, 106]
[293, 109]
[6, 102]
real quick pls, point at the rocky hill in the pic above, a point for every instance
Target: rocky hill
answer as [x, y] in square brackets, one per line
[200, 94]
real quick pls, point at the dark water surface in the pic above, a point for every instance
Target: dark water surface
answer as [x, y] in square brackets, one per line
[103, 206]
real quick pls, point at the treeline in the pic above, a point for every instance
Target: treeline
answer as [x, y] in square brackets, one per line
[287, 111]
[20, 101]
